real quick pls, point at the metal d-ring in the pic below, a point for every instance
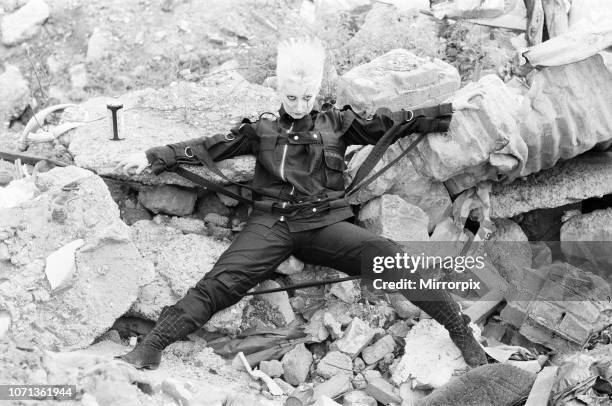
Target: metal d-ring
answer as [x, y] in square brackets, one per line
[227, 138]
[411, 115]
[190, 154]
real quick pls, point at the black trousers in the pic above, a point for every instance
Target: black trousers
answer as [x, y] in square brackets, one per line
[257, 251]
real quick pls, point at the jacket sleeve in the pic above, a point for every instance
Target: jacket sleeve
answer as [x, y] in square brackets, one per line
[361, 131]
[241, 140]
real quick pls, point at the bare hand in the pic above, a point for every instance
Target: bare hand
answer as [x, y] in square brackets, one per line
[137, 161]
[462, 101]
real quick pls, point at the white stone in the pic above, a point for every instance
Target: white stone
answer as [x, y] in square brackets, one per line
[61, 264]
[78, 76]
[392, 217]
[14, 94]
[430, 357]
[24, 23]
[290, 266]
[279, 300]
[355, 338]
[5, 322]
[98, 45]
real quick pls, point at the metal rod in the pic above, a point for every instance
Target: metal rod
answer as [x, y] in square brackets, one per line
[304, 285]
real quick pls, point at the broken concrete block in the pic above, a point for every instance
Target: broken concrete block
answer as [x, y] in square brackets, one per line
[296, 365]
[14, 94]
[588, 237]
[98, 45]
[347, 291]
[358, 398]
[378, 350]
[430, 357]
[290, 266]
[392, 217]
[273, 368]
[333, 387]
[24, 23]
[168, 199]
[334, 327]
[288, 389]
[403, 180]
[335, 363]
[567, 182]
[382, 391]
[509, 250]
[61, 264]
[279, 300]
[356, 337]
[325, 401]
[385, 29]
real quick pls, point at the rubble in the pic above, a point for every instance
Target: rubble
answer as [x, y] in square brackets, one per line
[296, 365]
[385, 82]
[73, 204]
[382, 391]
[588, 238]
[387, 27]
[358, 398]
[168, 199]
[392, 217]
[98, 45]
[356, 337]
[274, 368]
[158, 117]
[335, 363]
[378, 350]
[14, 94]
[279, 300]
[290, 266]
[430, 357]
[24, 23]
[61, 264]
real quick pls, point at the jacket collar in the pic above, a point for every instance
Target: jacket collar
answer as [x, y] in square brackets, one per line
[303, 124]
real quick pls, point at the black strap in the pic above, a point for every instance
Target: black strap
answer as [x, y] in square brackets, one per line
[198, 180]
[372, 159]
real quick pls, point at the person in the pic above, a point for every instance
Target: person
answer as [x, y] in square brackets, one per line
[299, 206]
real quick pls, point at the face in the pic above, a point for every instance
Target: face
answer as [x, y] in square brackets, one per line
[298, 97]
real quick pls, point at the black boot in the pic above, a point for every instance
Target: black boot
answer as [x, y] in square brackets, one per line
[171, 326]
[445, 311]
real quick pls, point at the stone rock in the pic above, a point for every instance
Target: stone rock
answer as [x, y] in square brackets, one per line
[334, 327]
[402, 180]
[78, 77]
[325, 401]
[188, 225]
[399, 329]
[588, 237]
[168, 199]
[220, 102]
[61, 265]
[14, 94]
[132, 215]
[378, 350]
[382, 391]
[273, 368]
[290, 266]
[24, 23]
[73, 204]
[296, 365]
[98, 45]
[348, 291]
[430, 357]
[356, 337]
[333, 387]
[288, 389]
[387, 27]
[228, 201]
[216, 219]
[279, 300]
[567, 182]
[181, 260]
[392, 217]
[509, 249]
[359, 382]
[210, 203]
[358, 398]
[397, 80]
[5, 322]
[335, 363]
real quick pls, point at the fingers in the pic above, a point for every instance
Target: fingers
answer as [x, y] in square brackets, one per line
[475, 94]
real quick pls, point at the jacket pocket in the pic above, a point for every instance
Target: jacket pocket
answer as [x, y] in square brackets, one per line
[334, 168]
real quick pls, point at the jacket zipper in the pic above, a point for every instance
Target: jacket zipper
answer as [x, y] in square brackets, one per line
[282, 165]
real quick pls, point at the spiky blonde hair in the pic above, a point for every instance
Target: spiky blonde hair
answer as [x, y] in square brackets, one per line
[300, 59]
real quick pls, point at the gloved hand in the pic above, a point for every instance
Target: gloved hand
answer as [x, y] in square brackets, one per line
[137, 161]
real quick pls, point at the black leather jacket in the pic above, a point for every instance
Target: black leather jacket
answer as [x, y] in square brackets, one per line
[302, 160]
